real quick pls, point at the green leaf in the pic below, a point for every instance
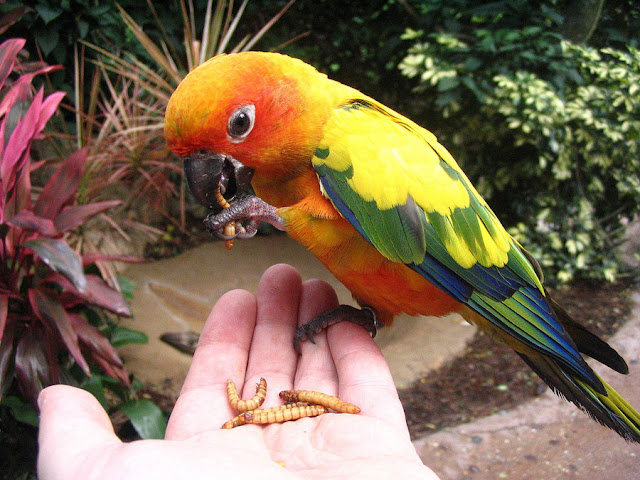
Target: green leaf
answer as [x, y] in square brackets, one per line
[471, 85]
[448, 83]
[83, 28]
[48, 13]
[125, 336]
[22, 410]
[147, 418]
[94, 386]
[47, 39]
[127, 286]
[472, 63]
[448, 97]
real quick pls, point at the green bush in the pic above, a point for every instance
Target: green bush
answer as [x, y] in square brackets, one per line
[53, 27]
[355, 43]
[548, 130]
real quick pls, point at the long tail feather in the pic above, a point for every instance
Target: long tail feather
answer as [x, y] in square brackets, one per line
[609, 409]
[587, 342]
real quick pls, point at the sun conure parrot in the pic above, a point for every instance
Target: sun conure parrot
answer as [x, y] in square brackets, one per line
[382, 205]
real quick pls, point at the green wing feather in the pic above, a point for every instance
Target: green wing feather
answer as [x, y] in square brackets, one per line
[406, 195]
[404, 192]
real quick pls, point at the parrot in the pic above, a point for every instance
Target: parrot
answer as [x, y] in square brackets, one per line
[266, 137]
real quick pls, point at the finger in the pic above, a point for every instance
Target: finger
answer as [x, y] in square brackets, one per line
[272, 355]
[75, 417]
[222, 354]
[316, 370]
[363, 374]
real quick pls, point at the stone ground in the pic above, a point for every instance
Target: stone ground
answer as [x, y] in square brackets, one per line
[543, 439]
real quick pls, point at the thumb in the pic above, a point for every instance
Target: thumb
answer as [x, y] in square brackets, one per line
[72, 425]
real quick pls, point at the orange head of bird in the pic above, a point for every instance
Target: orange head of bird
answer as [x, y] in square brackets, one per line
[244, 116]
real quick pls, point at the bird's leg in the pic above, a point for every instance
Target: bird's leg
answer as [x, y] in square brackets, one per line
[247, 212]
[365, 317]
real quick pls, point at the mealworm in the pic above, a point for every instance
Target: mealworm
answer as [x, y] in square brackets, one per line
[317, 398]
[295, 404]
[246, 405]
[230, 227]
[234, 422]
[283, 413]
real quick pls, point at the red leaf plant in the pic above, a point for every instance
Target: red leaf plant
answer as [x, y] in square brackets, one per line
[44, 291]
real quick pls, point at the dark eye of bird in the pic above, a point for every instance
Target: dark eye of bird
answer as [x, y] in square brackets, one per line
[241, 122]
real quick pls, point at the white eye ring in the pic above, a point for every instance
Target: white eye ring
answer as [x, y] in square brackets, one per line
[241, 123]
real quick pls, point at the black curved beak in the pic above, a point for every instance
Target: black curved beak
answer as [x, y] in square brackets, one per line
[205, 171]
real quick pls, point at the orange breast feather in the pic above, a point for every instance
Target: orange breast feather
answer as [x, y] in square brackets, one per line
[389, 287]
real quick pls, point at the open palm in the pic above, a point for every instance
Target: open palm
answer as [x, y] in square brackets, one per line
[244, 339]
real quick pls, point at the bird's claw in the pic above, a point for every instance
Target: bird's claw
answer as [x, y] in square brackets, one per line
[247, 212]
[365, 317]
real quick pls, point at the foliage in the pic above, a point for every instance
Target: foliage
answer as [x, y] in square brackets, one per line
[53, 27]
[618, 25]
[548, 130]
[358, 46]
[56, 25]
[53, 328]
[43, 282]
[19, 444]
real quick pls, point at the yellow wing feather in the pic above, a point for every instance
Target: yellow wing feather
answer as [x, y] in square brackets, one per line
[388, 158]
[389, 162]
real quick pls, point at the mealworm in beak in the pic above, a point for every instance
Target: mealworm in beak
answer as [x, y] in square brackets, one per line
[229, 228]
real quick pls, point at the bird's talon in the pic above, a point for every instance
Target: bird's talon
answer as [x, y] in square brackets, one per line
[365, 317]
[302, 333]
[371, 327]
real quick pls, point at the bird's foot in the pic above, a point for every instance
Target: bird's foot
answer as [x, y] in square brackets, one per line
[365, 317]
[246, 212]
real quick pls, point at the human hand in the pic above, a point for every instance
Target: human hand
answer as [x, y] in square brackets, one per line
[244, 339]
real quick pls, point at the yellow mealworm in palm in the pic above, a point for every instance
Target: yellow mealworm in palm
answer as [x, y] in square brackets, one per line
[246, 405]
[329, 401]
[235, 422]
[283, 413]
[229, 228]
[295, 404]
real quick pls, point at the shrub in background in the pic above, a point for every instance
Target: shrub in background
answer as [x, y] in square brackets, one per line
[354, 43]
[549, 130]
[43, 284]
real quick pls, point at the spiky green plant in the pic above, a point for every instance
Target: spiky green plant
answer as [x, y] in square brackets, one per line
[124, 122]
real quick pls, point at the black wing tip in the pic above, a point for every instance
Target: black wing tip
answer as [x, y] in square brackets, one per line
[588, 342]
